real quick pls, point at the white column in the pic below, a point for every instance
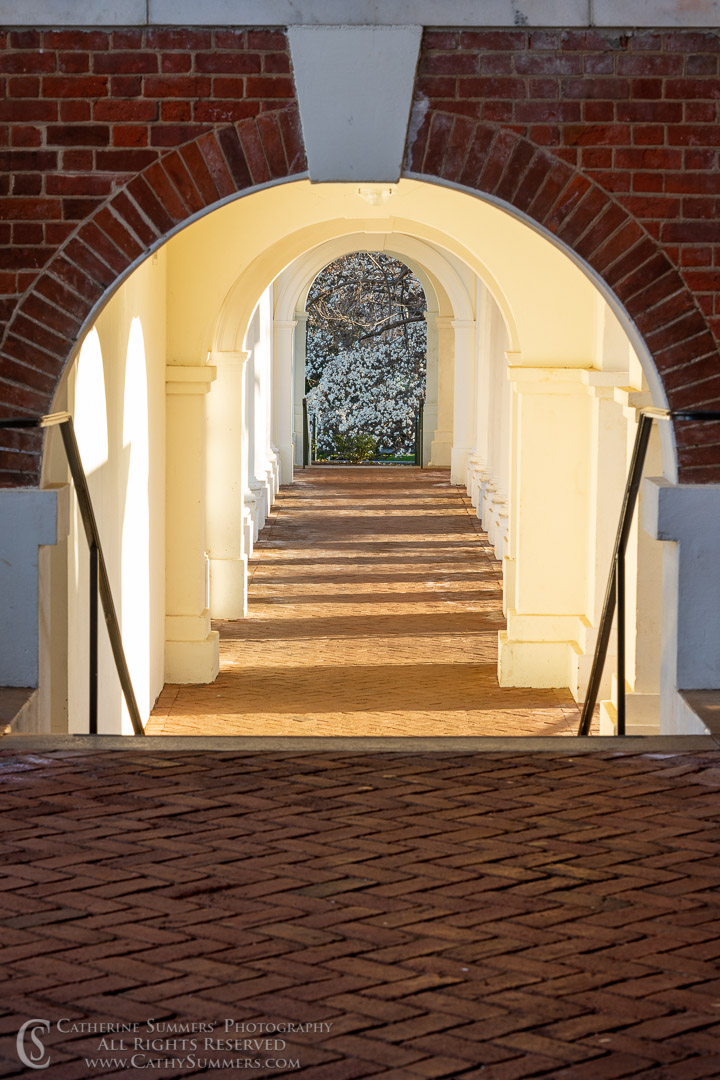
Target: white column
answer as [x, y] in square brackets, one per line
[606, 482]
[282, 404]
[643, 591]
[546, 595]
[226, 489]
[687, 517]
[478, 459]
[255, 493]
[645, 637]
[441, 446]
[430, 414]
[299, 354]
[463, 398]
[267, 460]
[191, 647]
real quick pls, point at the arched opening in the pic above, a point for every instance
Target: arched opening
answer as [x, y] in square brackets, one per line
[535, 411]
[365, 384]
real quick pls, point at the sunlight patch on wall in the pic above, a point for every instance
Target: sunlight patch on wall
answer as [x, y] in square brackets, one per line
[90, 412]
[136, 523]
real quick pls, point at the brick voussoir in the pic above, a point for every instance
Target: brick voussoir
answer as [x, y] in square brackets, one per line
[578, 123]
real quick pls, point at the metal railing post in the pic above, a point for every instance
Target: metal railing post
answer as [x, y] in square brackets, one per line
[99, 580]
[93, 688]
[64, 421]
[642, 438]
[620, 604]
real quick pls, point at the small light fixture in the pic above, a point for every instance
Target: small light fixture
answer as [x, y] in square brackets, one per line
[375, 196]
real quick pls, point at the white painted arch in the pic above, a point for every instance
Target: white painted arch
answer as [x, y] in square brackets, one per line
[438, 268]
[447, 287]
[245, 244]
[295, 282]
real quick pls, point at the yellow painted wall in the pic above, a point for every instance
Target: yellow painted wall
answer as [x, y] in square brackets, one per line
[548, 303]
[116, 392]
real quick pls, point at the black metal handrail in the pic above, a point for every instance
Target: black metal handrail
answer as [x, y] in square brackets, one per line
[419, 425]
[615, 591]
[99, 580]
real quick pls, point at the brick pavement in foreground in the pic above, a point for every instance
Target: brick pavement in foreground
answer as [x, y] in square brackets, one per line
[498, 915]
[374, 607]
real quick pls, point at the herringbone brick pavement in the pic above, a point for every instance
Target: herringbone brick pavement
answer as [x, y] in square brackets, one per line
[495, 916]
[374, 608]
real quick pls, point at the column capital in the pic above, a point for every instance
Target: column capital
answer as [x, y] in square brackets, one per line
[565, 380]
[632, 401]
[229, 359]
[184, 379]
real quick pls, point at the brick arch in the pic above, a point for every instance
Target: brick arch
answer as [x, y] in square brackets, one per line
[175, 188]
[587, 219]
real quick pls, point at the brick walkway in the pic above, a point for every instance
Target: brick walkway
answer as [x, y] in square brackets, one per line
[374, 607]
[495, 916]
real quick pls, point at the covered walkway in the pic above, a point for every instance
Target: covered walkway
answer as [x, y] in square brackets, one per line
[375, 602]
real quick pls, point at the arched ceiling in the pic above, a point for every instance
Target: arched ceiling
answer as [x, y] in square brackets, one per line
[220, 265]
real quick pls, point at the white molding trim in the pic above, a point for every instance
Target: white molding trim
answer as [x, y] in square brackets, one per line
[519, 14]
[421, 255]
[184, 379]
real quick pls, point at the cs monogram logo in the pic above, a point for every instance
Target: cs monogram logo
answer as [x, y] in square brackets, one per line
[31, 1031]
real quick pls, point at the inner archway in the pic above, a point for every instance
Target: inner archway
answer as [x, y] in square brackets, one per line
[545, 388]
[365, 379]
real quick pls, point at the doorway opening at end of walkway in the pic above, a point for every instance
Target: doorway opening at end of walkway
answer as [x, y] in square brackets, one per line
[365, 363]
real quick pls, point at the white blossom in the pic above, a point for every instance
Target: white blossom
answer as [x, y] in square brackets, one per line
[366, 348]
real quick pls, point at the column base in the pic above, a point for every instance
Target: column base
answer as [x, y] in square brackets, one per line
[494, 516]
[286, 454]
[441, 449]
[642, 715]
[477, 476]
[249, 517]
[192, 649]
[228, 588]
[541, 664]
[193, 661]
[260, 508]
[272, 474]
[298, 436]
[542, 650]
[458, 461]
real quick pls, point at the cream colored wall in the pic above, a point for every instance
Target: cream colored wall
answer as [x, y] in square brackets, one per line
[546, 303]
[545, 321]
[545, 325]
[116, 392]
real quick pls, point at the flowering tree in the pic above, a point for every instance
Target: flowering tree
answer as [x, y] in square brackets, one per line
[366, 350]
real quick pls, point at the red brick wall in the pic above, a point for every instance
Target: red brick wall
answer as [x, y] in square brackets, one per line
[611, 141]
[112, 139]
[109, 140]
